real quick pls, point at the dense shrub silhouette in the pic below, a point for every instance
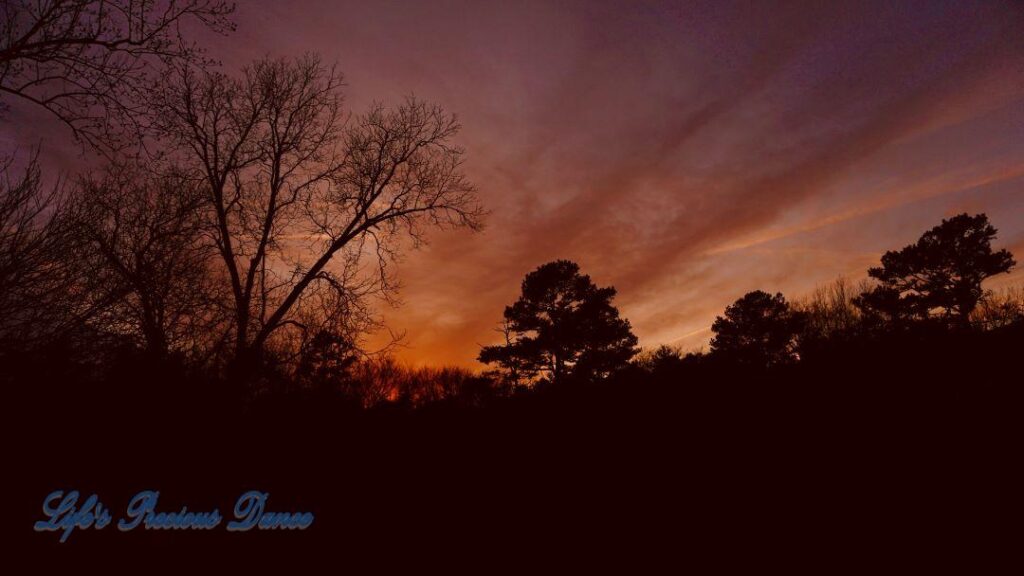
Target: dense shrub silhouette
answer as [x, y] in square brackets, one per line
[661, 359]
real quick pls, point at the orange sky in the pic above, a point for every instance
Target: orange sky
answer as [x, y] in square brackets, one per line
[685, 153]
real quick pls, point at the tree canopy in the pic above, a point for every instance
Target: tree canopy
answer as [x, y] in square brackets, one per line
[563, 326]
[942, 272]
[757, 330]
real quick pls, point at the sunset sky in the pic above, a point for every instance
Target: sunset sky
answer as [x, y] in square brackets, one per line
[684, 152]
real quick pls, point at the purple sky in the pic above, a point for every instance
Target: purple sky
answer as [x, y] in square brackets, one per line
[685, 153]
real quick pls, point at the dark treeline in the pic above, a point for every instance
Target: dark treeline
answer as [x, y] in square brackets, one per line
[563, 332]
[823, 423]
[190, 315]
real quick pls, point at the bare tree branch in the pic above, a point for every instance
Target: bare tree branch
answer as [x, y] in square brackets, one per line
[89, 62]
[304, 200]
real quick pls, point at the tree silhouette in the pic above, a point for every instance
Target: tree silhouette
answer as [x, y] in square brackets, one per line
[942, 271]
[326, 361]
[563, 326]
[299, 196]
[757, 330]
[662, 360]
[89, 62]
[36, 278]
[1000, 309]
[140, 236]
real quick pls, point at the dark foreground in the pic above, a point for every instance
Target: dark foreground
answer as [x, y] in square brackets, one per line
[905, 450]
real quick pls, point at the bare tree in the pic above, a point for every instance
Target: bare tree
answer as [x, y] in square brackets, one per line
[1000, 308]
[88, 61]
[139, 234]
[40, 280]
[27, 234]
[382, 379]
[303, 199]
[830, 311]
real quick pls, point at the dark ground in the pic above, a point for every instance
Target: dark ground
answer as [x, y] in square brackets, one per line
[888, 455]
